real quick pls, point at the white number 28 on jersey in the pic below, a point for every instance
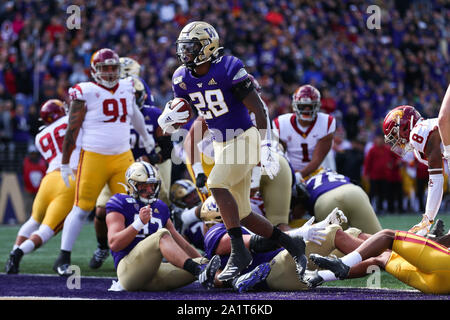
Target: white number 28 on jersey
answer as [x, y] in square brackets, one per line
[212, 105]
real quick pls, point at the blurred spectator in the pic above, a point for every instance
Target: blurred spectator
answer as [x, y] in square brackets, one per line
[376, 170]
[21, 131]
[394, 184]
[422, 184]
[349, 161]
[34, 168]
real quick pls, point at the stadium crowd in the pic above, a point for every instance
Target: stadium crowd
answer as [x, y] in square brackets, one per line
[360, 72]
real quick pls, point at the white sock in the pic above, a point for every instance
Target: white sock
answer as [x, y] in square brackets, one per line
[28, 228]
[352, 258]
[72, 226]
[327, 275]
[27, 246]
[15, 247]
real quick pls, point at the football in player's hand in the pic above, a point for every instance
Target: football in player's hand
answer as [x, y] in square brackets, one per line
[185, 106]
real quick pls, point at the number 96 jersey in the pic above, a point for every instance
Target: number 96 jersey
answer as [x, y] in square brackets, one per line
[106, 125]
[49, 143]
[419, 137]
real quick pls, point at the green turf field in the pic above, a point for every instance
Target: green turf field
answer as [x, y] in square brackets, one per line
[41, 261]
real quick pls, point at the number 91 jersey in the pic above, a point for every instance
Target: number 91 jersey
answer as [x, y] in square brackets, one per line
[106, 125]
[419, 135]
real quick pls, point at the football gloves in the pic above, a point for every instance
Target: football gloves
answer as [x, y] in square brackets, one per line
[169, 117]
[66, 173]
[268, 160]
[310, 232]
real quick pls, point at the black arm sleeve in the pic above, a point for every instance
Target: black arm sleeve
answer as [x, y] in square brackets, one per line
[242, 89]
[166, 145]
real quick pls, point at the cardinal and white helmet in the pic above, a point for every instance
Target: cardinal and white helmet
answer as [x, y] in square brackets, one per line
[306, 102]
[105, 67]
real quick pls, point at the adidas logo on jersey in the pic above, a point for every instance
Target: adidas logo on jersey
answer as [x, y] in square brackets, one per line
[212, 82]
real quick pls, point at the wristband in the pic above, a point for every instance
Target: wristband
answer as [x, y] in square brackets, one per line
[137, 224]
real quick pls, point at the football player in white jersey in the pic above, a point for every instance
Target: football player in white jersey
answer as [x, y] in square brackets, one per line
[306, 134]
[405, 130]
[53, 200]
[104, 109]
[444, 124]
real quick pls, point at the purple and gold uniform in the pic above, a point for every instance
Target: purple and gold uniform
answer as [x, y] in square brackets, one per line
[420, 263]
[129, 208]
[139, 266]
[194, 234]
[236, 140]
[212, 239]
[329, 190]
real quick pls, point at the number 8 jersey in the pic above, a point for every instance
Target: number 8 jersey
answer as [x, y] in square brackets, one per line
[106, 126]
[419, 135]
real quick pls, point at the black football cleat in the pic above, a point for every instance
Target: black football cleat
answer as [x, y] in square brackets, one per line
[438, 229]
[300, 258]
[313, 279]
[206, 277]
[12, 265]
[238, 262]
[333, 264]
[62, 264]
[99, 256]
[247, 281]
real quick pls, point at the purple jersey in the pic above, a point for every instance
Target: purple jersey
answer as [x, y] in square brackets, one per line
[150, 100]
[194, 234]
[324, 182]
[212, 95]
[212, 239]
[129, 208]
[151, 115]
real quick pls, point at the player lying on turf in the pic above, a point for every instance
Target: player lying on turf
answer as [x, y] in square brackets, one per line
[417, 261]
[141, 234]
[272, 267]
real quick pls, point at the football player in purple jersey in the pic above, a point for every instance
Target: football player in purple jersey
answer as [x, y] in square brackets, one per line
[329, 189]
[223, 94]
[141, 234]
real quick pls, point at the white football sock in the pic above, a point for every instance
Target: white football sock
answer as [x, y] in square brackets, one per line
[327, 275]
[72, 226]
[28, 228]
[352, 258]
[27, 246]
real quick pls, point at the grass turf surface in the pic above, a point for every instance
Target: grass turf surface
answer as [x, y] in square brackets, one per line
[41, 260]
